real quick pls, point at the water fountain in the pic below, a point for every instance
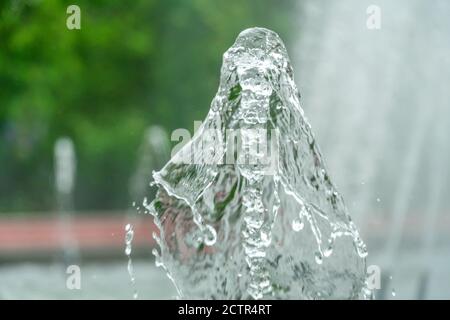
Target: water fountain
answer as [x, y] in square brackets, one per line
[65, 172]
[265, 222]
[382, 94]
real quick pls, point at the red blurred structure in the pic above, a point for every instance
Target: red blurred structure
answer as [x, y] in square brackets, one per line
[88, 232]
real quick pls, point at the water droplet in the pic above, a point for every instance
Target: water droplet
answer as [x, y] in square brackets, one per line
[393, 293]
[378, 199]
[328, 251]
[210, 235]
[361, 249]
[297, 225]
[266, 238]
[128, 238]
[363, 253]
[158, 262]
[318, 257]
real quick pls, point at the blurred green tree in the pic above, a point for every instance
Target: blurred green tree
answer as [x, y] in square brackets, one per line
[132, 64]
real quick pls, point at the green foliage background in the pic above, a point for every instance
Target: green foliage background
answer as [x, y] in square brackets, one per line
[132, 64]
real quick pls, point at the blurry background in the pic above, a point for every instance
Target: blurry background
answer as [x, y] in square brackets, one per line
[86, 115]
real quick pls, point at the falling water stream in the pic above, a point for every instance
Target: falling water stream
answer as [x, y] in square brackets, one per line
[129, 235]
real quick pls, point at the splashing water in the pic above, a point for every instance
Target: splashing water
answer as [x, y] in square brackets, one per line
[267, 224]
[129, 235]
